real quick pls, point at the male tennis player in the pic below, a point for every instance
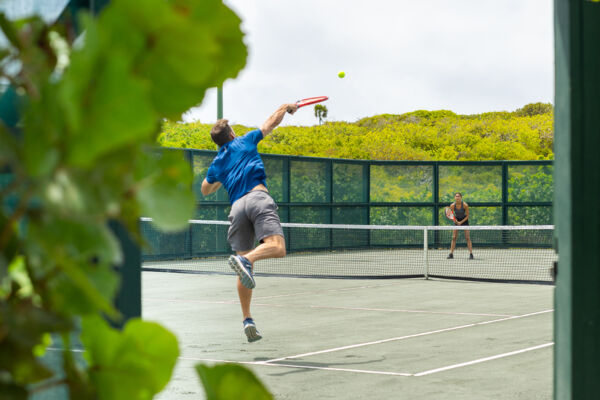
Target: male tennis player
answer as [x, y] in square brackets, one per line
[239, 168]
[461, 217]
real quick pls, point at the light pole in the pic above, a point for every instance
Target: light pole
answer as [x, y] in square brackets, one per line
[220, 102]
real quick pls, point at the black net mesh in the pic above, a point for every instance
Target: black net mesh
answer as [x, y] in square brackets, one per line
[512, 254]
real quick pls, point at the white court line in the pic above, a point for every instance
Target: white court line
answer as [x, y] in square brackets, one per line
[360, 371]
[382, 309]
[512, 353]
[353, 346]
[329, 307]
[411, 311]
[260, 363]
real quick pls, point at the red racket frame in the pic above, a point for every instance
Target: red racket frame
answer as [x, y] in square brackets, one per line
[311, 100]
[451, 217]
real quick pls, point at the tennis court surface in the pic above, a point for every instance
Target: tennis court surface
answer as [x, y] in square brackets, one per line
[362, 338]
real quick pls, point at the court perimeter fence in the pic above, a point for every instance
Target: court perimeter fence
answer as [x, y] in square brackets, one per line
[312, 190]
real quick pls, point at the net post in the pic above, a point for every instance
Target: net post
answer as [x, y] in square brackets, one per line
[425, 260]
[436, 202]
[504, 193]
[367, 194]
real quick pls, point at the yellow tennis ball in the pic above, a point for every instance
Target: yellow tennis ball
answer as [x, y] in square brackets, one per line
[341, 74]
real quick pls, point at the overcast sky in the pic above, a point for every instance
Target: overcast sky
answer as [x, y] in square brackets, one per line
[468, 56]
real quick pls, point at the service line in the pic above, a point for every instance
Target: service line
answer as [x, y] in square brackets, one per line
[512, 353]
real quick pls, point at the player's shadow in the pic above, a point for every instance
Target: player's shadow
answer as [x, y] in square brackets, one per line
[305, 366]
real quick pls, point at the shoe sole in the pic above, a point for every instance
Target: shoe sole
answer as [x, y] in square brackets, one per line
[246, 279]
[252, 334]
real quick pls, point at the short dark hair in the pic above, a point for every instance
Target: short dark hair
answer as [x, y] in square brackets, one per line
[459, 193]
[221, 132]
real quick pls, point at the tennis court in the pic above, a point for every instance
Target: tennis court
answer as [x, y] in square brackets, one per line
[362, 338]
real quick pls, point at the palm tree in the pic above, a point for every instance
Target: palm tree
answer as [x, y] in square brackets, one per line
[320, 112]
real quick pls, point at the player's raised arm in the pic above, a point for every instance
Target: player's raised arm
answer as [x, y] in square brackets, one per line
[275, 119]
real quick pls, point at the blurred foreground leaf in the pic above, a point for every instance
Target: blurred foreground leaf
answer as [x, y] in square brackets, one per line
[133, 364]
[22, 326]
[12, 392]
[164, 194]
[231, 382]
[74, 158]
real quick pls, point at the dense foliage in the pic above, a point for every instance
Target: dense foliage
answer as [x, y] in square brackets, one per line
[525, 134]
[80, 159]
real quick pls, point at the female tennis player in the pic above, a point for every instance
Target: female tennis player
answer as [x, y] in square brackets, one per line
[239, 168]
[461, 217]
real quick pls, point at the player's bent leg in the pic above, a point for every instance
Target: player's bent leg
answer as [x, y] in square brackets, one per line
[271, 247]
[278, 244]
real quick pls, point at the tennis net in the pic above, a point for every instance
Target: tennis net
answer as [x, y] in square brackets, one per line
[501, 253]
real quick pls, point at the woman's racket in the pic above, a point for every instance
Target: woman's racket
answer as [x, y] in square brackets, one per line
[310, 100]
[450, 214]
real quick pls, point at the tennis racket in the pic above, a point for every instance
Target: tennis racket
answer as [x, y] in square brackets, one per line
[310, 100]
[450, 214]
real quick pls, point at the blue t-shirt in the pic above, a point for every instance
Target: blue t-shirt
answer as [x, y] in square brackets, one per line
[238, 166]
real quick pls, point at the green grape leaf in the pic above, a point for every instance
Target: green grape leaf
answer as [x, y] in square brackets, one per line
[136, 363]
[119, 112]
[164, 193]
[78, 238]
[197, 46]
[10, 31]
[72, 89]
[231, 381]
[84, 250]
[19, 335]
[10, 391]
[18, 274]
[78, 162]
[84, 289]
[40, 155]
[40, 349]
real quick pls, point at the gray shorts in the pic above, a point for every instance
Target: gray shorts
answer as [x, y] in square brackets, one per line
[253, 217]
